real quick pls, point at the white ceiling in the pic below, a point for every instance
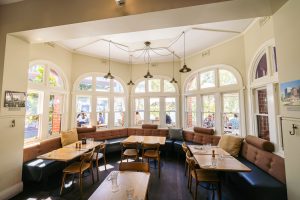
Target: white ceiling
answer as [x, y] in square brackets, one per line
[196, 40]
[2, 2]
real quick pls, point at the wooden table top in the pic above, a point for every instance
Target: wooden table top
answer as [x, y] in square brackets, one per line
[146, 139]
[228, 163]
[137, 180]
[200, 150]
[69, 152]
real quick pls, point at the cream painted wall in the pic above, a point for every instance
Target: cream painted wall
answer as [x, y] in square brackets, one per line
[287, 31]
[11, 144]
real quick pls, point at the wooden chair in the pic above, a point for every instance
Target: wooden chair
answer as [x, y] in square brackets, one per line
[185, 149]
[78, 168]
[129, 150]
[134, 166]
[151, 151]
[99, 154]
[201, 175]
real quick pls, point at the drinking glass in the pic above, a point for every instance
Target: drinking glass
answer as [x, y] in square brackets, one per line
[129, 192]
[214, 162]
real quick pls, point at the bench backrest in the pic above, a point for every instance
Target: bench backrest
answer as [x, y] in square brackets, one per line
[200, 138]
[265, 160]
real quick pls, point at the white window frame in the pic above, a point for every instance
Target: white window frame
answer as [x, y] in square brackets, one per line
[94, 94]
[46, 90]
[217, 91]
[161, 95]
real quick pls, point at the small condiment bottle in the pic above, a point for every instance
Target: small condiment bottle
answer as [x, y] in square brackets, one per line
[76, 145]
[213, 154]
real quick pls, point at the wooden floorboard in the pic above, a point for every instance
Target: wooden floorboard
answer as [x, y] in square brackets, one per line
[172, 185]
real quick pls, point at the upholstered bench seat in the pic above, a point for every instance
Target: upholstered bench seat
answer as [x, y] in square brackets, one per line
[39, 170]
[113, 145]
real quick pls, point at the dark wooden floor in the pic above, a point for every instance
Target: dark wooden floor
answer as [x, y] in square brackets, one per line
[171, 185]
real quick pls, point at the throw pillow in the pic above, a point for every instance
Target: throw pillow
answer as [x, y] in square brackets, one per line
[231, 144]
[176, 134]
[68, 137]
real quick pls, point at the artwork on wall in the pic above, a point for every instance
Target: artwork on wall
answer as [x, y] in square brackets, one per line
[290, 93]
[14, 99]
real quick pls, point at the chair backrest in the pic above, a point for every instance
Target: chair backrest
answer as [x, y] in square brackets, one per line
[129, 145]
[87, 157]
[134, 166]
[148, 146]
[191, 162]
[184, 147]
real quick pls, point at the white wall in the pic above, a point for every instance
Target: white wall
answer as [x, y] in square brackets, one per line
[11, 144]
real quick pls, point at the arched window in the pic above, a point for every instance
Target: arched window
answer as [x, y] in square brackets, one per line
[156, 102]
[45, 115]
[264, 96]
[99, 101]
[212, 99]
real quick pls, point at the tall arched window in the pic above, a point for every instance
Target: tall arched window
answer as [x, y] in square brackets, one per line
[213, 99]
[99, 101]
[45, 105]
[264, 93]
[155, 101]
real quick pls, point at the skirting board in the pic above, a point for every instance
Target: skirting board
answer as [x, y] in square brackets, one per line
[11, 191]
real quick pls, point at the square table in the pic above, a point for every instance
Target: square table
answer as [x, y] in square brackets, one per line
[201, 150]
[88, 145]
[137, 180]
[146, 139]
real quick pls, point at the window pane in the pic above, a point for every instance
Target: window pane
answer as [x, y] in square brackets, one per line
[231, 119]
[118, 87]
[54, 79]
[32, 118]
[139, 111]
[207, 79]
[154, 85]
[192, 84]
[140, 87]
[262, 68]
[36, 74]
[119, 104]
[208, 115]
[119, 120]
[154, 110]
[262, 101]
[86, 84]
[102, 109]
[169, 87]
[102, 84]
[226, 77]
[263, 127]
[191, 111]
[83, 109]
[170, 111]
[55, 113]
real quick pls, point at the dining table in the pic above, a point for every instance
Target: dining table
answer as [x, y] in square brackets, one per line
[146, 139]
[128, 181]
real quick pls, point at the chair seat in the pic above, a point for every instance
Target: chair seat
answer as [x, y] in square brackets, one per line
[151, 154]
[100, 155]
[205, 176]
[75, 167]
[130, 152]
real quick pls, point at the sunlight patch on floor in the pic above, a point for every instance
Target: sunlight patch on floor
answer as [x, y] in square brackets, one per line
[108, 166]
[125, 160]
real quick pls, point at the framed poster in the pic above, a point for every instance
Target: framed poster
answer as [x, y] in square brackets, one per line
[290, 93]
[14, 99]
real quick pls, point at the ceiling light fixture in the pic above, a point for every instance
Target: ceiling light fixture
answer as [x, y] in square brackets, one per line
[147, 43]
[120, 2]
[130, 62]
[184, 68]
[173, 79]
[108, 75]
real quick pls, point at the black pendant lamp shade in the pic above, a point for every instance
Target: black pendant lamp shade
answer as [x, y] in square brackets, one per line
[148, 75]
[108, 75]
[184, 68]
[130, 62]
[173, 79]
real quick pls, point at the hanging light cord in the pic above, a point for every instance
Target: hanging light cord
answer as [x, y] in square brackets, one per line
[184, 47]
[130, 67]
[109, 56]
[173, 64]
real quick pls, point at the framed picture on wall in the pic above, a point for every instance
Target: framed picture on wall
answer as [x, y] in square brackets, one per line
[290, 93]
[14, 99]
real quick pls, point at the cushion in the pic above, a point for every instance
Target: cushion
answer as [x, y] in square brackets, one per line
[149, 126]
[175, 134]
[231, 144]
[260, 143]
[86, 129]
[202, 130]
[68, 137]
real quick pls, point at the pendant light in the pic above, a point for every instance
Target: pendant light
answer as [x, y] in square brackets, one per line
[184, 68]
[148, 75]
[130, 62]
[173, 79]
[108, 75]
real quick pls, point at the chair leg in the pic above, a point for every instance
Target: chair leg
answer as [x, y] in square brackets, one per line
[91, 170]
[185, 168]
[97, 165]
[80, 183]
[196, 191]
[63, 183]
[219, 191]
[191, 184]
[104, 162]
[159, 168]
